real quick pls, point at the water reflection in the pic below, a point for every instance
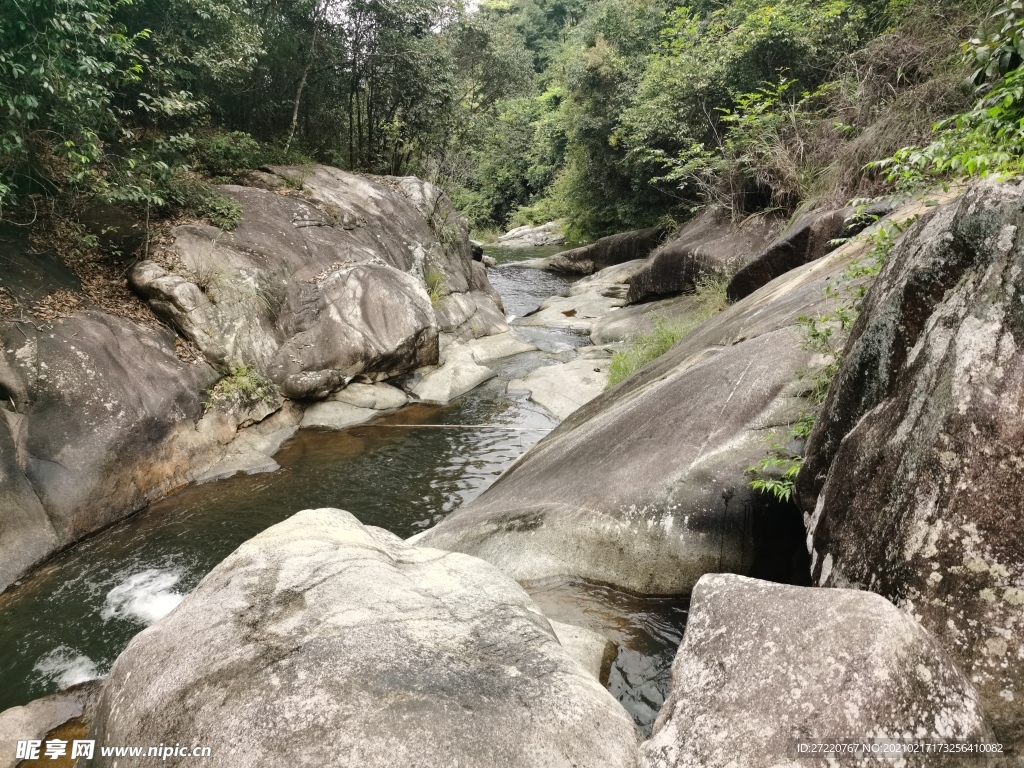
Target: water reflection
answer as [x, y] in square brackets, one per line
[646, 629]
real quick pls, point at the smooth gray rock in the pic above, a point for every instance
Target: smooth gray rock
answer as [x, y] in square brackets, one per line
[645, 488]
[37, 718]
[98, 419]
[335, 415]
[593, 651]
[762, 665]
[489, 348]
[607, 252]
[578, 312]
[611, 282]
[316, 288]
[564, 388]
[710, 244]
[912, 485]
[530, 237]
[451, 380]
[322, 637]
[640, 320]
[380, 396]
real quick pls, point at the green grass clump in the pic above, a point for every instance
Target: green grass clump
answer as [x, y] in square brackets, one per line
[436, 284]
[641, 350]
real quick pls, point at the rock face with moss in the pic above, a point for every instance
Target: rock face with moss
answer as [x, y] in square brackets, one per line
[344, 275]
[352, 646]
[764, 665]
[914, 476]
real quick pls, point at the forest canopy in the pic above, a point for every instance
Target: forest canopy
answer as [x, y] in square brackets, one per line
[609, 115]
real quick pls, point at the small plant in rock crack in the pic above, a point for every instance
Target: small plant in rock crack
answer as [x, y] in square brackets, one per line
[243, 388]
[436, 284]
[776, 473]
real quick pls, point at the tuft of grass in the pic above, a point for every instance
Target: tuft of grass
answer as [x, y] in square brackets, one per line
[641, 350]
[776, 473]
[243, 388]
[436, 284]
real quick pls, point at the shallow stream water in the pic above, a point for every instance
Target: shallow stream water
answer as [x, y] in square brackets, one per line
[69, 620]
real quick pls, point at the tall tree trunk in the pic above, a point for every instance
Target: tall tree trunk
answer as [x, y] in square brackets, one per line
[302, 86]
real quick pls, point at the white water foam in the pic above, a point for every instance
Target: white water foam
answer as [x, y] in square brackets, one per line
[64, 667]
[147, 596]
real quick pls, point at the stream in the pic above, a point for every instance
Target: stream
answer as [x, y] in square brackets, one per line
[67, 621]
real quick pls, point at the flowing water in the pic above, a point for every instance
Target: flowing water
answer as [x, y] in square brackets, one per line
[69, 620]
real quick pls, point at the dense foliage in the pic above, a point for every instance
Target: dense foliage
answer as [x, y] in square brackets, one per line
[609, 114]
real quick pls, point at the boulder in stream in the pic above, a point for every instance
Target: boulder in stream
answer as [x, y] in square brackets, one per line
[324, 640]
[607, 252]
[97, 418]
[764, 665]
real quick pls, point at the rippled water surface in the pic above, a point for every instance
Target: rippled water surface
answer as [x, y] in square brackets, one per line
[404, 471]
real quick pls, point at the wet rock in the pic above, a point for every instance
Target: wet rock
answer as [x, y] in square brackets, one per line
[335, 415]
[564, 388]
[251, 449]
[26, 534]
[354, 644]
[594, 652]
[529, 237]
[809, 238]
[912, 485]
[712, 244]
[451, 380]
[489, 261]
[763, 665]
[380, 397]
[607, 252]
[38, 718]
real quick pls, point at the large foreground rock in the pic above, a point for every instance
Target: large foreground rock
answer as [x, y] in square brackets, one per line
[321, 637]
[315, 288]
[764, 665]
[711, 243]
[607, 252]
[914, 479]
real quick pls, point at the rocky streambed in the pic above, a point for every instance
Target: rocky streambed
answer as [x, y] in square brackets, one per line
[497, 623]
[403, 471]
